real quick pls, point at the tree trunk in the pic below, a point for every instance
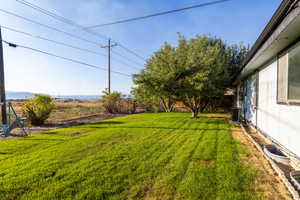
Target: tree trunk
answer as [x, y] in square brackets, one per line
[170, 105]
[167, 104]
[204, 105]
[195, 113]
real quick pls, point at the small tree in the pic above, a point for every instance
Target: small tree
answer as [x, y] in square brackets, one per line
[115, 102]
[38, 109]
[111, 101]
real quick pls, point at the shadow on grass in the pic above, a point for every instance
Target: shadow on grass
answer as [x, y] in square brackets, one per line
[159, 127]
[106, 123]
[4, 153]
[47, 139]
[206, 124]
[214, 123]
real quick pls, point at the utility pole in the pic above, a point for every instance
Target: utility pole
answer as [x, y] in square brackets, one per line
[2, 86]
[109, 46]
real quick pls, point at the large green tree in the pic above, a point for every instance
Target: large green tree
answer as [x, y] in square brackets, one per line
[194, 72]
[202, 69]
[237, 54]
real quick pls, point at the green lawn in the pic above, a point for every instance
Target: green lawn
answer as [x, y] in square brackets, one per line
[144, 156]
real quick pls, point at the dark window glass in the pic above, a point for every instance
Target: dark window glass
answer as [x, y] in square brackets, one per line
[294, 74]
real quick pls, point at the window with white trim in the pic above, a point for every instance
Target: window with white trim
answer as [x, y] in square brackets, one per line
[288, 85]
[294, 74]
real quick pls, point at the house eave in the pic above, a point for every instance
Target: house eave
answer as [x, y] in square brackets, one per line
[287, 32]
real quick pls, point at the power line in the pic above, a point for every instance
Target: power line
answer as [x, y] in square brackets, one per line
[65, 44]
[49, 40]
[49, 27]
[132, 52]
[72, 23]
[156, 14]
[122, 56]
[64, 58]
[58, 17]
[52, 28]
[124, 63]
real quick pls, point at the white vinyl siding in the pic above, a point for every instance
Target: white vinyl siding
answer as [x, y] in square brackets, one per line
[280, 121]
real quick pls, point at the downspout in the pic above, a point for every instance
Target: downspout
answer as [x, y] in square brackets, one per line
[256, 99]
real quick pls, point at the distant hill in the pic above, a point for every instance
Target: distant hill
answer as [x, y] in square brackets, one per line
[11, 95]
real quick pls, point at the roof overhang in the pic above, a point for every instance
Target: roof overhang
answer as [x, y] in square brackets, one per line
[286, 32]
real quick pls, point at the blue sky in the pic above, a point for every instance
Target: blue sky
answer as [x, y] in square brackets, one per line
[234, 21]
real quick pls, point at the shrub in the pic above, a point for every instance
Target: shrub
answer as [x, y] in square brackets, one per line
[38, 109]
[127, 106]
[115, 102]
[111, 101]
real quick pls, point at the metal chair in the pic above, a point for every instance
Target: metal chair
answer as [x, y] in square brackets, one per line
[13, 121]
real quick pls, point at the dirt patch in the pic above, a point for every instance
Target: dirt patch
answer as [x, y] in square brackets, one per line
[63, 124]
[92, 118]
[268, 182]
[262, 141]
[217, 115]
[76, 133]
[200, 162]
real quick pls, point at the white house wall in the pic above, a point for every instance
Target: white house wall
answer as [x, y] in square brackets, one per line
[280, 122]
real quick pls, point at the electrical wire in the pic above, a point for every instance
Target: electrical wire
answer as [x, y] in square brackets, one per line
[132, 52]
[53, 41]
[64, 58]
[122, 56]
[65, 44]
[156, 14]
[126, 64]
[72, 23]
[58, 17]
[49, 27]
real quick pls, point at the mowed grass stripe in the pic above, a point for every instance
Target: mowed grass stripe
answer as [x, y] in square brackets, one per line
[166, 183]
[157, 163]
[134, 176]
[69, 183]
[200, 180]
[144, 156]
[119, 177]
[113, 156]
[102, 137]
[233, 179]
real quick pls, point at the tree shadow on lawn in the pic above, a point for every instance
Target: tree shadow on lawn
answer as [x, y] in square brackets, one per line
[4, 153]
[107, 123]
[161, 127]
[203, 124]
[82, 127]
[47, 139]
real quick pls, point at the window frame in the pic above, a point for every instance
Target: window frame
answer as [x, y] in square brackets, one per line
[286, 84]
